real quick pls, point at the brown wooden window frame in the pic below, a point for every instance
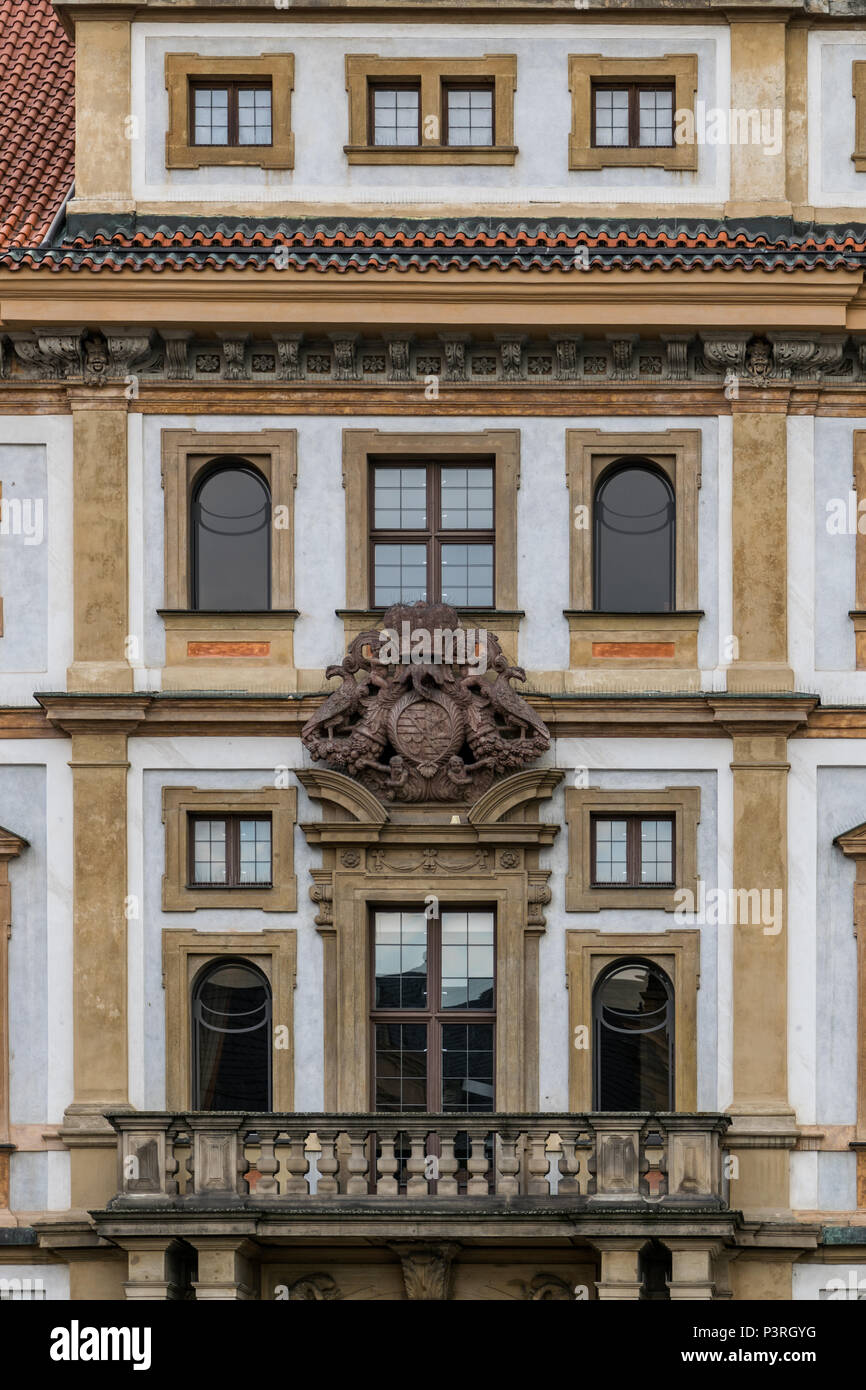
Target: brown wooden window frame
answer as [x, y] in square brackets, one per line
[633, 89]
[396, 85]
[232, 821]
[433, 536]
[480, 85]
[633, 822]
[434, 1016]
[233, 86]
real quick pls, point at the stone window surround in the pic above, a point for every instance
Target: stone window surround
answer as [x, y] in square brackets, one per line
[181, 153]
[362, 447]
[647, 641]
[581, 803]
[431, 74]
[185, 454]
[587, 955]
[583, 69]
[184, 954]
[177, 804]
[858, 87]
[376, 857]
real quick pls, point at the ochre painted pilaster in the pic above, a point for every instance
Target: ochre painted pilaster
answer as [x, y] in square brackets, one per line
[104, 132]
[758, 183]
[763, 1128]
[759, 527]
[100, 541]
[11, 846]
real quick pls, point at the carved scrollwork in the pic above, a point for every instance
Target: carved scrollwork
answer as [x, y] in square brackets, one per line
[432, 725]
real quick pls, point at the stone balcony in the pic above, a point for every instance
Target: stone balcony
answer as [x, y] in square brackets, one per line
[589, 1163]
[259, 1202]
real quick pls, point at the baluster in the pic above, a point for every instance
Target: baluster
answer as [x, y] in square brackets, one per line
[357, 1164]
[296, 1167]
[569, 1165]
[329, 1165]
[416, 1182]
[171, 1163]
[446, 1183]
[538, 1185]
[267, 1165]
[387, 1165]
[477, 1166]
[507, 1165]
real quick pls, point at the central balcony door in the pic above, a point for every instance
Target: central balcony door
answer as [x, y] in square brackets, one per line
[433, 1011]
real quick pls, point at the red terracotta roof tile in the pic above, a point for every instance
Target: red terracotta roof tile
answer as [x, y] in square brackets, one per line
[37, 112]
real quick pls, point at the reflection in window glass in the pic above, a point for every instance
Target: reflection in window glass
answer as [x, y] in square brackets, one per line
[611, 116]
[254, 116]
[633, 1039]
[401, 960]
[231, 541]
[634, 541]
[232, 1039]
[211, 115]
[470, 116]
[395, 116]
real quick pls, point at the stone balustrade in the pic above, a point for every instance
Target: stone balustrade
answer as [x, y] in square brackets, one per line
[610, 1160]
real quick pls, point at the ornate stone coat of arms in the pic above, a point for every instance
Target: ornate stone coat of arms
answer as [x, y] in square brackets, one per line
[422, 713]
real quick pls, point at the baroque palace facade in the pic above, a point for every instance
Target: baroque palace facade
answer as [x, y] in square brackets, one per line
[433, 655]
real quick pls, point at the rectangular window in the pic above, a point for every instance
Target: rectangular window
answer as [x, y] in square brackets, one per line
[433, 1011]
[230, 113]
[230, 851]
[469, 116]
[395, 115]
[632, 851]
[631, 115]
[433, 534]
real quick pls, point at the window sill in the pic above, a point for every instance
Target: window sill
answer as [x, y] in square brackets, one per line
[279, 156]
[431, 154]
[229, 650]
[644, 644]
[504, 622]
[594, 157]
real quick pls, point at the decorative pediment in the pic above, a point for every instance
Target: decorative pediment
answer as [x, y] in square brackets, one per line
[11, 844]
[426, 711]
[852, 842]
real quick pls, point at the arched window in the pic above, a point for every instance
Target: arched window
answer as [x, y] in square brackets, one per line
[633, 1038]
[231, 1020]
[634, 516]
[231, 539]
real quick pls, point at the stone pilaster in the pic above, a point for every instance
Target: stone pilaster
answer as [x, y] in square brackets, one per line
[758, 77]
[226, 1268]
[100, 540]
[693, 1274]
[11, 846]
[759, 526]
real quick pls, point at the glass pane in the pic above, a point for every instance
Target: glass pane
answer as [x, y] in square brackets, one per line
[254, 116]
[255, 851]
[401, 1066]
[400, 499]
[400, 940]
[634, 1039]
[610, 851]
[467, 499]
[634, 542]
[467, 575]
[395, 116]
[467, 1067]
[209, 851]
[470, 117]
[211, 115]
[231, 523]
[467, 960]
[399, 574]
[656, 851]
[611, 117]
[656, 117]
[232, 1011]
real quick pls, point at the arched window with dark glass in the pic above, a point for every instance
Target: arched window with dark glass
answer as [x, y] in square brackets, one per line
[231, 539]
[634, 540]
[633, 1038]
[231, 1021]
